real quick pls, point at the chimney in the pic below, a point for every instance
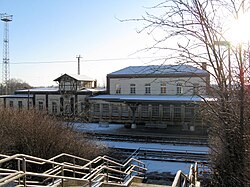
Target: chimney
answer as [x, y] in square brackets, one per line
[204, 66]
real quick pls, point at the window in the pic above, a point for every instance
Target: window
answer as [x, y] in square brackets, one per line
[132, 89]
[163, 88]
[177, 113]
[115, 110]
[155, 111]
[179, 89]
[125, 111]
[20, 104]
[147, 88]
[144, 111]
[189, 113]
[61, 104]
[54, 108]
[96, 108]
[72, 105]
[11, 104]
[105, 110]
[40, 105]
[118, 88]
[196, 89]
[166, 112]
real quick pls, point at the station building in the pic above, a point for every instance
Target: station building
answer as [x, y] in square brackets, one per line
[156, 96]
[165, 96]
[68, 99]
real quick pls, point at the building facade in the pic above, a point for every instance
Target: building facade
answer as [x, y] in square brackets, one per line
[156, 96]
[167, 96]
[68, 99]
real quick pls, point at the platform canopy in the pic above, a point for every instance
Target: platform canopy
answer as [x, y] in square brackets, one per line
[152, 98]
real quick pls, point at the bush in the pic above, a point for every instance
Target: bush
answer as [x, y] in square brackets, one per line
[37, 134]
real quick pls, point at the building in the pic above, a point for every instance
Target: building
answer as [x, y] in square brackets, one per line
[68, 99]
[165, 96]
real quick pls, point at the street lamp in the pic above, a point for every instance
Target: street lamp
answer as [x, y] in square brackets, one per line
[228, 45]
[28, 99]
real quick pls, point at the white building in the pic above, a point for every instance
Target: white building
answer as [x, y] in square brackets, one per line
[158, 96]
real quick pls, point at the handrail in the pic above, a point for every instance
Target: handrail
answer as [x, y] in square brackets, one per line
[178, 180]
[182, 180]
[89, 173]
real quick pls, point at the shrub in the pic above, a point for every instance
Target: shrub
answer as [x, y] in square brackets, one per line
[37, 134]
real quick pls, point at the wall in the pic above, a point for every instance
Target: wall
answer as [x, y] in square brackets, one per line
[188, 83]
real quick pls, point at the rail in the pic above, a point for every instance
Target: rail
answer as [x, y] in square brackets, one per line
[164, 154]
[18, 169]
[151, 138]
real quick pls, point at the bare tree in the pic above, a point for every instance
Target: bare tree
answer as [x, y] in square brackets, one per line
[13, 85]
[194, 31]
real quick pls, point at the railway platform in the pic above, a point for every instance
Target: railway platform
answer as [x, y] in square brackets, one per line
[120, 132]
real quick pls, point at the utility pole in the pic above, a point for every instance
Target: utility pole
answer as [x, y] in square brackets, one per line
[78, 60]
[6, 64]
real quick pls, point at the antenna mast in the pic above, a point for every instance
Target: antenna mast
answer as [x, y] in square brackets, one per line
[6, 64]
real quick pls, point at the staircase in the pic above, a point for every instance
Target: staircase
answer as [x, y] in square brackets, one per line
[67, 170]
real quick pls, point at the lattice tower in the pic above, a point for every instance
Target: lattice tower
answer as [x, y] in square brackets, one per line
[6, 61]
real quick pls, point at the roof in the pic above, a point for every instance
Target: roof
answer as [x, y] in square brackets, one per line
[152, 98]
[55, 90]
[159, 70]
[17, 96]
[76, 77]
[51, 89]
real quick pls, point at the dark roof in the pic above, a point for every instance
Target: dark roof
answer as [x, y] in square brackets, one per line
[159, 70]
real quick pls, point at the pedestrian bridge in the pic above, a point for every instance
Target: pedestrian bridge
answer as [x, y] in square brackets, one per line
[66, 170]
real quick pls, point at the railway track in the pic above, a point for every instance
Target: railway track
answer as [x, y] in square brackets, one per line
[152, 138]
[173, 155]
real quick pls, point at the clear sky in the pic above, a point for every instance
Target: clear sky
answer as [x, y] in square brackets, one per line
[47, 35]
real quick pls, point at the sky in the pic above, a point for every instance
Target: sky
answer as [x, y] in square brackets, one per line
[45, 37]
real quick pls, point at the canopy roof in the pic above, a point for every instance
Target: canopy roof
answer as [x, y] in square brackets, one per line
[152, 98]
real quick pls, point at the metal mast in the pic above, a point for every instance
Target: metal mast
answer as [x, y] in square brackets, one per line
[78, 67]
[6, 64]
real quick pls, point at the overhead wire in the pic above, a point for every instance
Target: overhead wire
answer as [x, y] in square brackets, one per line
[86, 60]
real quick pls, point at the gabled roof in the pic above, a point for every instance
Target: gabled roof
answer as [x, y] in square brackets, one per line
[159, 70]
[76, 77]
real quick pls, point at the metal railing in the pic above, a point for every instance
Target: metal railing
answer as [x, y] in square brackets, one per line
[191, 180]
[59, 170]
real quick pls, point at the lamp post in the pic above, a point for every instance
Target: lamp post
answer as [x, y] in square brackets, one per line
[228, 45]
[28, 99]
